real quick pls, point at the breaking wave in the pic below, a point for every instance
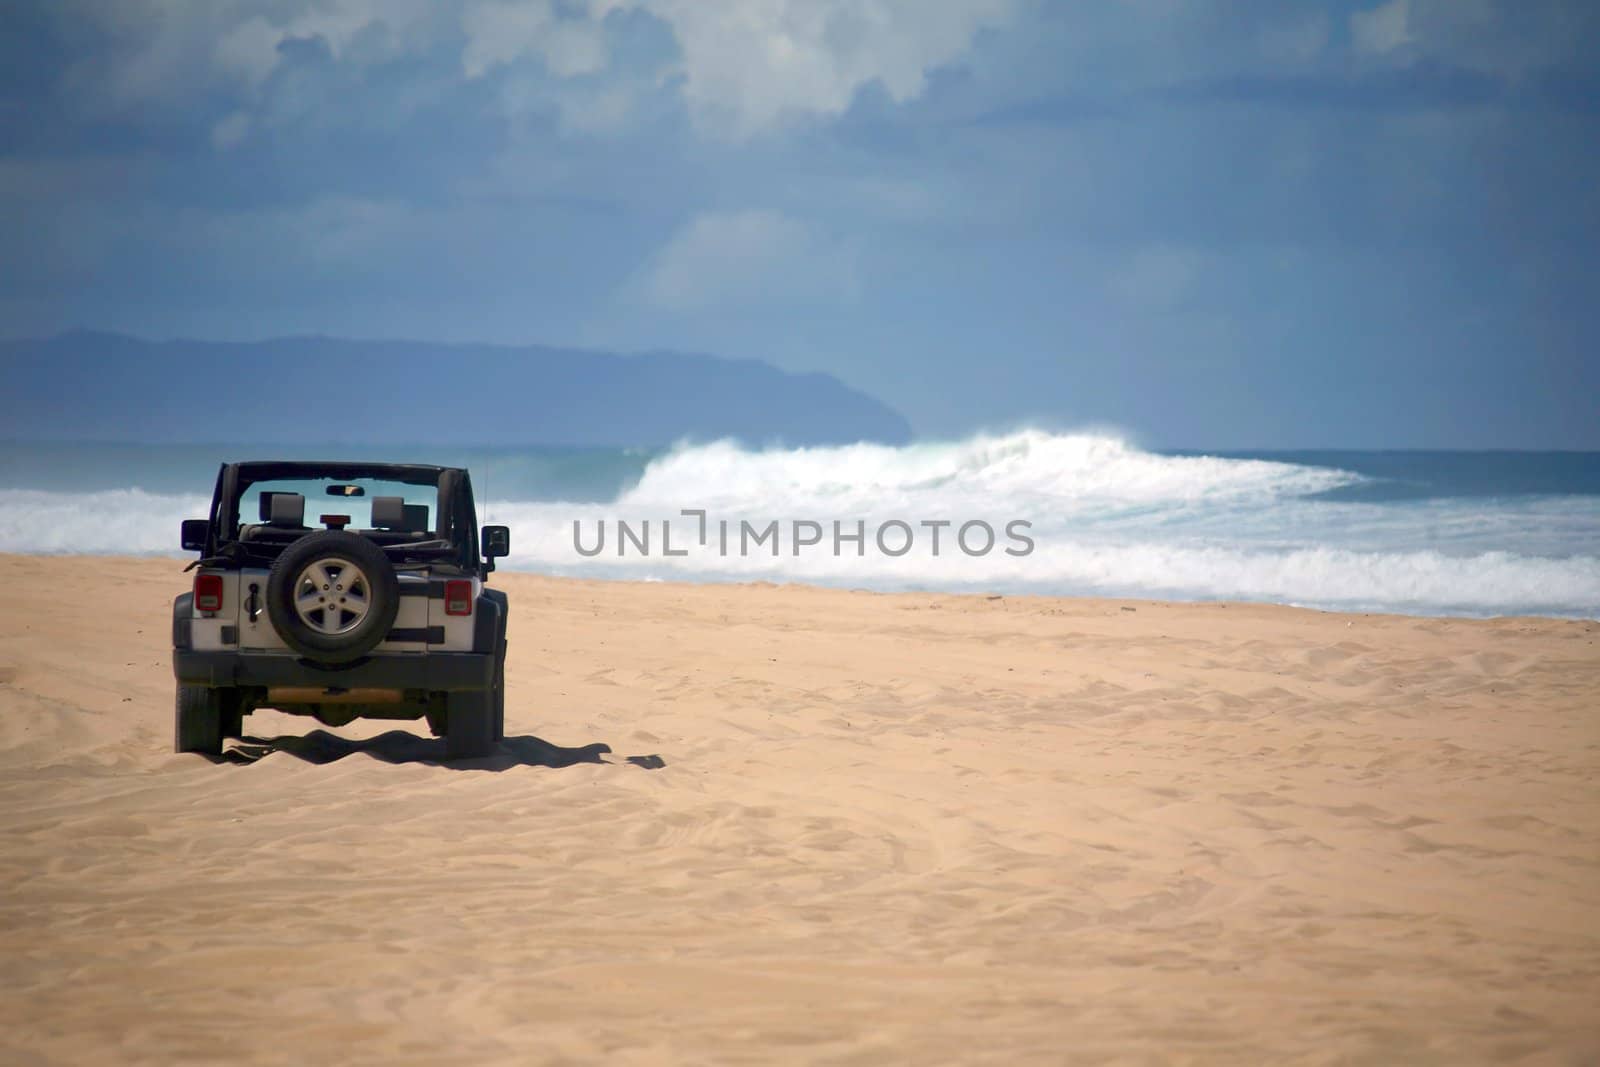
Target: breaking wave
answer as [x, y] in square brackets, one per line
[111, 521]
[1103, 516]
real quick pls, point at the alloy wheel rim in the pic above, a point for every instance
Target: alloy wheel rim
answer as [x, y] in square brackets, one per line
[332, 596]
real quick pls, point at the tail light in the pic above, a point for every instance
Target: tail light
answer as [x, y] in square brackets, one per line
[458, 597]
[208, 592]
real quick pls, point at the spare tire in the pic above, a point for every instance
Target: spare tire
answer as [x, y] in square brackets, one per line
[332, 596]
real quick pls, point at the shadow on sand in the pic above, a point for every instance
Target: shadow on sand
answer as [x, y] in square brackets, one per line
[398, 746]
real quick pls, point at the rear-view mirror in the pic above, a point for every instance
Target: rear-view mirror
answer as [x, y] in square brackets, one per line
[496, 541]
[346, 490]
[194, 533]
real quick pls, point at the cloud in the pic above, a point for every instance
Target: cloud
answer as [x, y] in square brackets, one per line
[748, 67]
[161, 48]
[740, 259]
[501, 32]
[1499, 37]
[751, 66]
[757, 66]
[1383, 29]
[739, 69]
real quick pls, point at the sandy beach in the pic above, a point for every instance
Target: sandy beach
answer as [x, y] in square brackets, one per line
[762, 824]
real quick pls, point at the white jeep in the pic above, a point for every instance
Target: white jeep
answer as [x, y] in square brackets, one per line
[379, 611]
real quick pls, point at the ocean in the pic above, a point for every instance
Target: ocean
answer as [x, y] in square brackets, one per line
[1436, 533]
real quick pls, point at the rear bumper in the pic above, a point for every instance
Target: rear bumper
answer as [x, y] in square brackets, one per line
[446, 671]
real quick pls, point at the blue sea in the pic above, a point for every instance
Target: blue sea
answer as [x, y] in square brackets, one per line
[1439, 533]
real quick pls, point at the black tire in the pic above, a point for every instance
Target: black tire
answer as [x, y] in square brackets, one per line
[497, 696]
[498, 693]
[198, 721]
[383, 590]
[232, 713]
[469, 728]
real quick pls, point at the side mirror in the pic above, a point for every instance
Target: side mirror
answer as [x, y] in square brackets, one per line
[194, 533]
[496, 541]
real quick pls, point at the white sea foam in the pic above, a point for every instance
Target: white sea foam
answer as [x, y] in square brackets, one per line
[1424, 581]
[1105, 518]
[123, 521]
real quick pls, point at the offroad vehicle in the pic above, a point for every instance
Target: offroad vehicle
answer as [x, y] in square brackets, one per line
[381, 612]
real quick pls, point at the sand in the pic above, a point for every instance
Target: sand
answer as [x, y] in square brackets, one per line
[760, 824]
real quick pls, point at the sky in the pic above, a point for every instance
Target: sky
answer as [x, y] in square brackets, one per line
[1247, 224]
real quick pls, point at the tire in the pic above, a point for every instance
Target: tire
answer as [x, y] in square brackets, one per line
[438, 722]
[497, 696]
[470, 726]
[198, 721]
[232, 715]
[498, 693]
[332, 631]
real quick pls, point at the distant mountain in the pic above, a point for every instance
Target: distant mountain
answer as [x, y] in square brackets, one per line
[85, 386]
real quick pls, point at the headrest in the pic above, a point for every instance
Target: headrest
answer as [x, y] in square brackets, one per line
[416, 517]
[283, 509]
[389, 512]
